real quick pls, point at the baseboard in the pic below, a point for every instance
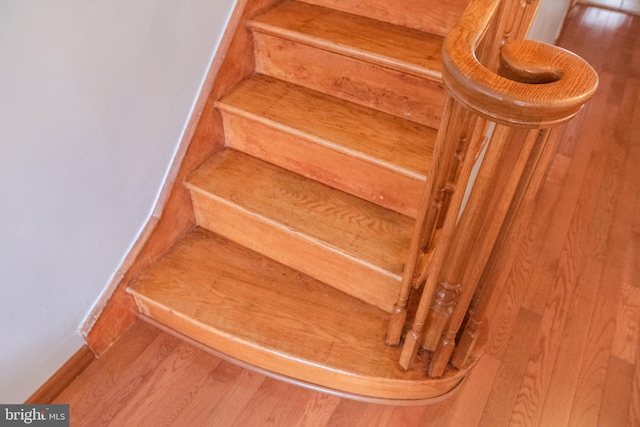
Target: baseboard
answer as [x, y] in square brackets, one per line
[63, 377]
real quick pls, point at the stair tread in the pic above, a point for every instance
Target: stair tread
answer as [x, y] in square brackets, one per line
[361, 230]
[399, 47]
[378, 137]
[264, 313]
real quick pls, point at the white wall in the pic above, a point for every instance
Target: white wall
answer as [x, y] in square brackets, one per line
[94, 96]
[548, 21]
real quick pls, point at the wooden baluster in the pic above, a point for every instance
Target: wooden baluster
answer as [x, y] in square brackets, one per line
[468, 228]
[455, 135]
[485, 232]
[488, 50]
[528, 9]
[444, 299]
[512, 22]
[543, 87]
[466, 127]
[503, 252]
[414, 336]
[427, 215]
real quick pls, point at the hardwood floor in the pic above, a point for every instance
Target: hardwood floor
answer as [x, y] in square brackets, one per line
[628, 6]
[564, 344]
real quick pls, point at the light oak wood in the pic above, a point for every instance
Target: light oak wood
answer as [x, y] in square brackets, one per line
[534, 101]
[375, 86]
[344, 241]
[425, 15]
[265, 314]
[364, 152]
[502, 259]
[415, 338]
[398, 47]
[532, 91]
[592, 385]
[383, 66]
[352, 245]
[431, 208]
[486, 234]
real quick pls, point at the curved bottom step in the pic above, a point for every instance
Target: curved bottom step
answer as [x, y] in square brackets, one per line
[276, 319]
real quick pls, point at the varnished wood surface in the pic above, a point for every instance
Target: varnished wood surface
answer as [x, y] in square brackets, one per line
[375, 86]
[531, 102]
[373, 155]
[273, 317]
[361, 131]
[563, 346]
[356, 246]
[626, 6]
[424, 15]
[382, 66]
[407, 50]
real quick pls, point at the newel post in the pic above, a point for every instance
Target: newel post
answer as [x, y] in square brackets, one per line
[512, 114]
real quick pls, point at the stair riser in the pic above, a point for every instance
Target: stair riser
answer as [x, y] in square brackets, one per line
[317, 160]
[431, 16]
[296, 251]
[403, 95]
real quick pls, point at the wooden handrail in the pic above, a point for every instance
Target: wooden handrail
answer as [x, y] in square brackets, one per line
[541, 86]
[513, 93]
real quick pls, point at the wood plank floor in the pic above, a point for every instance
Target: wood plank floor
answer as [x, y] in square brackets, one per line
[628, 6]
[564, 344]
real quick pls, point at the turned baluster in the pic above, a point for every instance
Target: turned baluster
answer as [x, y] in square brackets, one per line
[538, 87]
[468, 229]
[487, 232]
[504, 249]
[466, 128]
[414, 337]
[522, 12]
[430, 206]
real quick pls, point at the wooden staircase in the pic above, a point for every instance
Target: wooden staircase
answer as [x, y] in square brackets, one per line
[317, 224]
[305, 217]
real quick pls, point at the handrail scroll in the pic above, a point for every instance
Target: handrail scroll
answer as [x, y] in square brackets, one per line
[508, 99]
[539, 85]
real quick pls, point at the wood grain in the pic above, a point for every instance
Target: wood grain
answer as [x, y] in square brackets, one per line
[607, 389]
[370, 84]
[583, 160]
[238, 393]
[265, 314]
[353, 245]
[362, 132]
[505, 388]
[504, 100]
[626, 340]
[408, 13]
[617, 393]
[375, 156]
[634, 406]
[401, 48]
[561, 296]
[120, 380]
